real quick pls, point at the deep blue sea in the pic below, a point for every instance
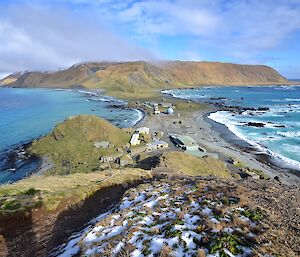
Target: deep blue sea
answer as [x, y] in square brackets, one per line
[26, 114]
[280, 136]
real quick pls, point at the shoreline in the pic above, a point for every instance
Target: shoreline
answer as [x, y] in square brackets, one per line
[107, 98]
[14, 150]
[225, 138]
[275, 159]
[265, 159]
[209, 137]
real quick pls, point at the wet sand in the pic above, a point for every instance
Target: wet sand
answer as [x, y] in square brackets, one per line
[215, 138]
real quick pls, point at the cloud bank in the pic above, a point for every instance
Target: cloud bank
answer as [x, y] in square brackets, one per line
[66, 31]
[242, 31]
[45, 38]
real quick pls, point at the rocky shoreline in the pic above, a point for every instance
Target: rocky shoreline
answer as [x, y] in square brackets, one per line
[268, 163]
[265, 157]
[21, 163]
[280, 173]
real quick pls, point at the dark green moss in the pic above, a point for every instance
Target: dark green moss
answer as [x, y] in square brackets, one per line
[254, 215]
[30, 191]
[11, 205]
[226, 241]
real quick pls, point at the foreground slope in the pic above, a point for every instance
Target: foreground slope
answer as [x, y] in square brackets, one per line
[130, 77]
[198, 217]
[41, 212]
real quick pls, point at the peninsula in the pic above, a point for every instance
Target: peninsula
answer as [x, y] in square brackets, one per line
[170, 184]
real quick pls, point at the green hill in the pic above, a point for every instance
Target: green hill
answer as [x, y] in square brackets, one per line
[71, 144]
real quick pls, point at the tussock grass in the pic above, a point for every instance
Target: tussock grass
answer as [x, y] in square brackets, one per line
[49, 191]
[71, 144]
[136, 95]
[183, 105]
[194, 166]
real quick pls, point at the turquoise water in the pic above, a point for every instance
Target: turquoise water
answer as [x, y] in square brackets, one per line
[280, 135]
[26, 114]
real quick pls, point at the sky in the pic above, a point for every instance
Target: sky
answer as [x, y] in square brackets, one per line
[51, 35]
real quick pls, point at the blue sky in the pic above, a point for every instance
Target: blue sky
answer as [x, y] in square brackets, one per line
[47, 35]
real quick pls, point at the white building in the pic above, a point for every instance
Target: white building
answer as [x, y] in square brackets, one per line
[170, 110]
[135, 139]
[157, 145]
[143, 130]
[167, 105]
[156, 110]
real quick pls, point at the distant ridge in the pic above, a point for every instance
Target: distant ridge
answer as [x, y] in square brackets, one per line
[140, 76]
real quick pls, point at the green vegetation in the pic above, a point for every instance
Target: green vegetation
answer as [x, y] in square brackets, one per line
[254, 215]
[134, 96]
[246, 170]
[51, 191]
[226, 241]
[239, 164]
[30, 191]
[186, 106]
[10, 205]
[194, 166]
[251, 172]
[71, 144]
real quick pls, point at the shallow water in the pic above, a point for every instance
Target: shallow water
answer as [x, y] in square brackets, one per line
[26, 114]
[280, 136]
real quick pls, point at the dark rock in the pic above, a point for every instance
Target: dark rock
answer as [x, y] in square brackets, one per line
[263, 109]
[277, 178]
[255, 124]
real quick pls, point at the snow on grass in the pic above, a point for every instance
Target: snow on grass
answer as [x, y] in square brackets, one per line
[104, 234]
[118, 248]
[125, 204]
[174, 219]
[154, 202]
[72, 246]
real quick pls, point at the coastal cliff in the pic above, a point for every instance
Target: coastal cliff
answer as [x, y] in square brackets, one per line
[131, 77]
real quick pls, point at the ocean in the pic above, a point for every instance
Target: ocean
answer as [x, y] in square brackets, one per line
[26, 114]
[273, 127]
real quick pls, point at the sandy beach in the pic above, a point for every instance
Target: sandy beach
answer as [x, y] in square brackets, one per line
[208, 136]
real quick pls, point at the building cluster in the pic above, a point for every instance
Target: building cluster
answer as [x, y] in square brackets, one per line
[141, 141]
[154, 142]
[157, 108]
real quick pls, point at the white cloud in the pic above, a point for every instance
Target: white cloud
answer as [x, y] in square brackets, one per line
[167, 17]
[236, 28]
[48, 38]
[231, 30]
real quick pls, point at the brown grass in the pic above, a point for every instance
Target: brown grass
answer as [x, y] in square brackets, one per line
[51, 190]
[194, 166]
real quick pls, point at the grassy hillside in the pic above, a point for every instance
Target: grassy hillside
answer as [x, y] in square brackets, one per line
[194, 166]
[126, 79]
[195, 73]
[51, 190]
[72, 141]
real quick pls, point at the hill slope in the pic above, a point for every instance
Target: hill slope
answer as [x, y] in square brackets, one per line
[73, 141]
[130, 77]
